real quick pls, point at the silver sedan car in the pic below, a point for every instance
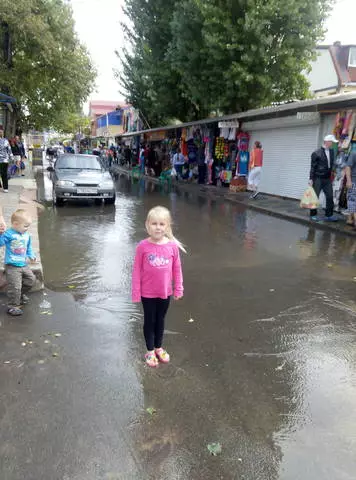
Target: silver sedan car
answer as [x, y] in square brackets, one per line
[81, 177]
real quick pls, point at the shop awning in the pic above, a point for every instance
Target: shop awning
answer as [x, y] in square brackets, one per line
[6, 98]
[323, 104]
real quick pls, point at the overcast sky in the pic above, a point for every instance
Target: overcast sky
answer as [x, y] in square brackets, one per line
[98, 26]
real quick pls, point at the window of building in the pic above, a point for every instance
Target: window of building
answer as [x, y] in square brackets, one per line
[352, 57]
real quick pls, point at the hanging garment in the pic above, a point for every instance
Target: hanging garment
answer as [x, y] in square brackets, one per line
[184, 148]
[347, 122]
[243, 141]
[244, 158]
[224, 132]
[232, 134]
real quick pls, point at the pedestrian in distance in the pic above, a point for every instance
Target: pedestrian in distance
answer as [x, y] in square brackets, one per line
[321, 171]
[5, 157]
[18, 248]
[157, 267]
[19, 154]
[255, 168]
[178, 162]
[351, 189]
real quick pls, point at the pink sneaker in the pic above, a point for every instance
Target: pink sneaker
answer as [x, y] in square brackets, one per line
[151, 359]
[162, 355]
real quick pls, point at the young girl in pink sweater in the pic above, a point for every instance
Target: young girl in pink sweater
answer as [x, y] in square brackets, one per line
[157, 275]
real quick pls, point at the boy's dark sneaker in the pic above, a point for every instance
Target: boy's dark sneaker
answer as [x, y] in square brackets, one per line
[14, 311]
[24, 300]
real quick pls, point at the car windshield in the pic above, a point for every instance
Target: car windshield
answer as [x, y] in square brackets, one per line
[78, 162]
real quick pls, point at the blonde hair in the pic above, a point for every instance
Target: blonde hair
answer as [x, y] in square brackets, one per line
[164, 214]
[21, 216]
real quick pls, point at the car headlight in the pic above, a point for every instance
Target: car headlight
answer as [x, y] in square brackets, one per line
[64, 183]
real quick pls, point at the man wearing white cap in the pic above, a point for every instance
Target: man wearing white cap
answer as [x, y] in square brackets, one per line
[322, 163]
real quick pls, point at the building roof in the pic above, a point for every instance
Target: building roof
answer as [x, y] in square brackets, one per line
[332, 102]
[340, 57]
[100, 107]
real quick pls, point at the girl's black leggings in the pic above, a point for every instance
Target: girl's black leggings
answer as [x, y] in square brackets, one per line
[155, 310]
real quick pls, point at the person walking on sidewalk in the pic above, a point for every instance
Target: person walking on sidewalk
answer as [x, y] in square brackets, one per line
[255, 168]
[18, 247]
[5, 157]
[18, 151]
[157, 266]
[351, 188]
[322, 164]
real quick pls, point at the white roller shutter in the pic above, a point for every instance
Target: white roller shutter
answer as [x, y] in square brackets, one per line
[286, 162]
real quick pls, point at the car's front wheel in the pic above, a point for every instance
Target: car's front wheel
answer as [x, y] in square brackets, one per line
[57, 201]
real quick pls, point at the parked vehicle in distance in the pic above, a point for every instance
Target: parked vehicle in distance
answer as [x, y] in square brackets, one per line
[81, 177]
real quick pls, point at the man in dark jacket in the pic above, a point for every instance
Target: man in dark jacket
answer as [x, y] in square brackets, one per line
[322, 163]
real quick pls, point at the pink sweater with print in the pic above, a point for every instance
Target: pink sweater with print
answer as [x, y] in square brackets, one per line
[157, 269]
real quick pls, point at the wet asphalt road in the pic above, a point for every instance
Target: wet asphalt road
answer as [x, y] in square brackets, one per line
[267, 368]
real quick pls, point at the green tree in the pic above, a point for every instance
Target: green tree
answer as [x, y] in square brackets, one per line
[49, 71]
[149, 80]
[227, 55]
[73, 123]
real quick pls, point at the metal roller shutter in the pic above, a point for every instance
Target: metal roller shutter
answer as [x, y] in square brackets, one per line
[286, 162]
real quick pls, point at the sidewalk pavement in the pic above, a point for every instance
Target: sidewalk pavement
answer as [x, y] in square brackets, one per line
[286, 208]
[23, 194]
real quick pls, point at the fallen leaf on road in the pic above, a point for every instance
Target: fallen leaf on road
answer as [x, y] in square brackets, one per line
[151, 410]
[280, 367]
[215, 448]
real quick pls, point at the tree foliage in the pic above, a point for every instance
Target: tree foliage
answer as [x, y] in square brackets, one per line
[49, 71]
[148, 76]
[73, 123]
[194, 58]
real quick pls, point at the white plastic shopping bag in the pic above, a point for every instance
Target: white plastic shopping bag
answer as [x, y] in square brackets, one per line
[309, 199]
